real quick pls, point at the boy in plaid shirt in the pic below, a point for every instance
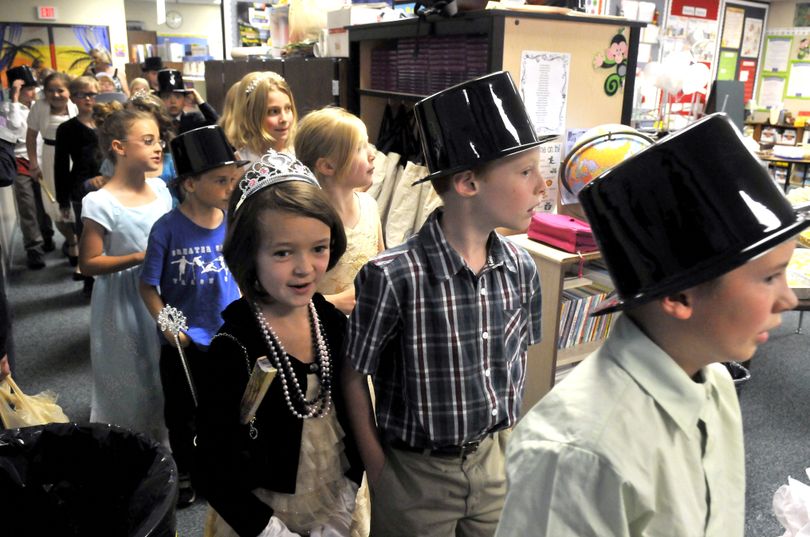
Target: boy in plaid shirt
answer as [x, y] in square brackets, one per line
[442, 323]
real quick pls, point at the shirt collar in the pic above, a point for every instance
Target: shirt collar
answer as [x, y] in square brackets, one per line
[445, 262]
[658, 374]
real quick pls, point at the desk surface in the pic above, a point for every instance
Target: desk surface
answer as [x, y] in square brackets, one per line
[772, 158]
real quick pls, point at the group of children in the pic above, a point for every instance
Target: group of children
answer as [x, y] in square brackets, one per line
[642, 438]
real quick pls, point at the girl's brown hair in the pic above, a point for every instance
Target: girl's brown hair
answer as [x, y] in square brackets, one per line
[153, 105]
[331, 133]
[64, 78]
[79, 84]
[116, 126]
[243, 237]
[246, 128]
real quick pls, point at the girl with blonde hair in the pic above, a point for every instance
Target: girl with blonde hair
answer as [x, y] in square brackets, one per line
[264, 115]
[334, 144]
[102, 63]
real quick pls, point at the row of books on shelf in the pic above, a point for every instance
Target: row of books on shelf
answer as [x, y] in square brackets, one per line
[579, 298]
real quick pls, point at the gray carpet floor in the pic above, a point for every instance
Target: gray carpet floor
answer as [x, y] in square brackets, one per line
[51, 318]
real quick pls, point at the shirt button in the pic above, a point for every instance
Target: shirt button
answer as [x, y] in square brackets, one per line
[494, 411]
[485, 335]
[486, 372]
[482, 291]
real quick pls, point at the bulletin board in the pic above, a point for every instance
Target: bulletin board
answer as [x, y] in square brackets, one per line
[785, 66]
[742, 28]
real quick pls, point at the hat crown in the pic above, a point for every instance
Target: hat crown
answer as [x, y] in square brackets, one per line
[152, 63]
[685, 210]
[21, 72]
[170, 80]
[199, 150]
[473, 123]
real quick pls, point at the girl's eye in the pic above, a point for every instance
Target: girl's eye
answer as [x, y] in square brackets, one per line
[281, 253]
[321, 249]
[773, 277]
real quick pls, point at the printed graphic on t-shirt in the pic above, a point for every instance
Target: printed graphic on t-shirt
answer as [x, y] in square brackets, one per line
[199, 265]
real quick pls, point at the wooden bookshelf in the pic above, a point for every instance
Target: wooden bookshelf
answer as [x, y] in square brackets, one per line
[545, 357]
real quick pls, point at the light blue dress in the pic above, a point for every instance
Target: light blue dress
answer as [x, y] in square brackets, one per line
[124, 346]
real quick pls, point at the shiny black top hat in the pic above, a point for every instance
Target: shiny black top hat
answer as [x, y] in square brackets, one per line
[170, 80]
[22, 72]
[473, 123]
[153, 63]
[684, 211]
[199, 150]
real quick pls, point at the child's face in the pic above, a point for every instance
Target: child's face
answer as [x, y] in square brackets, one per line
[28, 94]
[292, 257]
[360, 173]
[214, 187]
[511, 190]
[142, 148]
[733, 315]
[85, 99]
[278, 119]
[57, 94]
[138, 86]
[174, 102]
[106, 85]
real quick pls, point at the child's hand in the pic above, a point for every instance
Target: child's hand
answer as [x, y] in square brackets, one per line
[14, 90]
[97, 181]
[5, 370]
[34, 171]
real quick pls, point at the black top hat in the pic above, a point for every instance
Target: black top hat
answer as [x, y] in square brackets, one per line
[22, 72]
[170, 80]
[684, 211]
[153, 63]
[199, 150]
[473, 123]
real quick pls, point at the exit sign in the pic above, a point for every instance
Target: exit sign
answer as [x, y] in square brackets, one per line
[46, 13]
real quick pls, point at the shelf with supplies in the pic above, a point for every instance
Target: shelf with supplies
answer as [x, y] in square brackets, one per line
[560, 281]
[400, 61]
[783, 134]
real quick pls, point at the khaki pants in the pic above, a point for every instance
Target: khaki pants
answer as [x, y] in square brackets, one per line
[421, 495]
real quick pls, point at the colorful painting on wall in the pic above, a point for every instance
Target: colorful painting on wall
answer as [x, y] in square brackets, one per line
[50, 46]
[802, 14]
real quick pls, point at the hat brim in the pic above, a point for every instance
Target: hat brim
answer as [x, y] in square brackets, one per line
[712, 268]
[479, 162]
[238, 163]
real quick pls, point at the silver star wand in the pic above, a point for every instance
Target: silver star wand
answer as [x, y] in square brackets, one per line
[173, 320]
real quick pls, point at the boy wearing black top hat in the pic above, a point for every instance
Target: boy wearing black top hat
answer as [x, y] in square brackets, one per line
[150, 68]
[173, 93]
[184, 268]
[644, 437]
[35, 223]
[442, 323]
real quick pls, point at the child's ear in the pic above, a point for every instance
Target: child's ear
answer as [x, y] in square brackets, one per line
[465, 183]
[118, 147]
[189, 184]
[324, 166]
[678, 305]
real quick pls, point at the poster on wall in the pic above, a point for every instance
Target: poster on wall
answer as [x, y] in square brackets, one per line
[747, 75]
[799, 81]
[777, 53]
[550, 159]
[751, 36]
[771, 90]
[544, 88]
[732, 27]
[727, 66]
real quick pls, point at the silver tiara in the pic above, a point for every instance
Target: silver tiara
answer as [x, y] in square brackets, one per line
[252, 86]
[273, 168]
[255, 82]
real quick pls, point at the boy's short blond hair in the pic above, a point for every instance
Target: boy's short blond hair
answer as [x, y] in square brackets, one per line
[81, 83]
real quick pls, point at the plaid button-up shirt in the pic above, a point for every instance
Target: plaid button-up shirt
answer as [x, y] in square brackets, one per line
[446, 347]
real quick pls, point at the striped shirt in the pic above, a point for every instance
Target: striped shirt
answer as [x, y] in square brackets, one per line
[446, 347]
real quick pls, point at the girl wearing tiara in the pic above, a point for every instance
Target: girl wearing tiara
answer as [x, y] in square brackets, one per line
[293, 469]
[334, 144]
[264, 115]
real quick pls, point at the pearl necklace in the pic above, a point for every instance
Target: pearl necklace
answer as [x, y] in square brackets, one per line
[322, 402]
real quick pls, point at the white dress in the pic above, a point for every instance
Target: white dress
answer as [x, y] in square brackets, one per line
[41, 120]
[124, 346]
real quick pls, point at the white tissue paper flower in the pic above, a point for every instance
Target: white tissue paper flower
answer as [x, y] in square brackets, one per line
[791, 506]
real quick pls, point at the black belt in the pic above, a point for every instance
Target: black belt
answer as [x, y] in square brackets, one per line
[444, 451]
[49, 142]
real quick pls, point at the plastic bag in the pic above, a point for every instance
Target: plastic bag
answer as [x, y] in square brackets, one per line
[20, 410]
[791, 506]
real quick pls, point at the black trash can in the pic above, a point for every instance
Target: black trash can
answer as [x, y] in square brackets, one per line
[739, 374]
[71, 479]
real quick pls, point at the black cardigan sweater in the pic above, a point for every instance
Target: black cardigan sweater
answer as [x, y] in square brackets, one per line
[75, 142]
[229, 465]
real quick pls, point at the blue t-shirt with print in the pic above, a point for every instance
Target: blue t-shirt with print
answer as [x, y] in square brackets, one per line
[185, 262]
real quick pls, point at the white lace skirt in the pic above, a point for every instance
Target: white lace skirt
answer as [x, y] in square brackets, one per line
[319, 481]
